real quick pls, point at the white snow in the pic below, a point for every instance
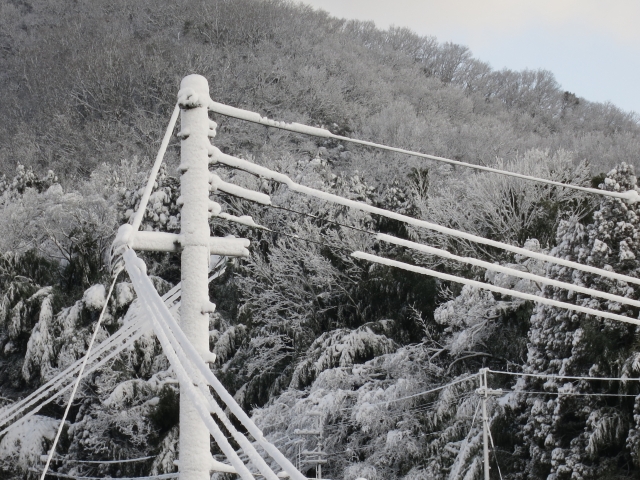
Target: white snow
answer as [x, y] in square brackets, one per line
[218, 184]
[25, 444]
[94, 297]
[242, 220]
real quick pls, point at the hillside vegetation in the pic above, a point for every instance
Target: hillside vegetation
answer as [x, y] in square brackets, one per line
[301, 326]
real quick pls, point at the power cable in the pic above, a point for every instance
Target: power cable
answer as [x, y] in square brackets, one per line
[565, 377]
[218, 156]
[142, 206]
[487, 286]
[253, 117]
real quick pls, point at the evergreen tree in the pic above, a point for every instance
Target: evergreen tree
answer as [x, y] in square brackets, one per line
[569, 435]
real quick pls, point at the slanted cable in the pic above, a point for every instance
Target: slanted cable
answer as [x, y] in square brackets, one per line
[630, 195]
[245, 165]
[139, 215]
[135, 270]
[565, 377]
[224, 395]
[487, 286]
[68, 373]
[130, 341]
[509, 271]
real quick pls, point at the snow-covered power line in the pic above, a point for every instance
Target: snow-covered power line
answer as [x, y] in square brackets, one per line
[566, 377]
[131, 259]
[253, 117]
[100, 462]
[16, 408]
[136, 269]
[129, 342]
[163, 476]
[426, 392]
[574, 394]
[487, 286]
[80, 373]
[509, 271]
[241, 164]
[121, 339]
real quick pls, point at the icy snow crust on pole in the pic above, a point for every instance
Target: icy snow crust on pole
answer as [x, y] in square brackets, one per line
[137, 270]
[194, 231]
[225, 396]
[509, 271]
[486, 286]
[631, 195]
[217, 156]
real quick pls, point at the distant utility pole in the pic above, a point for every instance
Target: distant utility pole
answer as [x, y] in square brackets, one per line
[315, 456]
[484, 391]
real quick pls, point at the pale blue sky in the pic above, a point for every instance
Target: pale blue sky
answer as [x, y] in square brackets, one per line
[592, 46]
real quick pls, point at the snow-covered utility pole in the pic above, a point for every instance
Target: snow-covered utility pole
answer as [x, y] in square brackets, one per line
[196, 128]
[484, 391]
[314, 457]
[196, 247]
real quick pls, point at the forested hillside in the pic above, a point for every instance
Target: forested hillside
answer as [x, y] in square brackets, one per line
[306, 335]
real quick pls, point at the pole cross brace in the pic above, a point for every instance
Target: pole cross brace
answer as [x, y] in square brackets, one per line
[172, 242]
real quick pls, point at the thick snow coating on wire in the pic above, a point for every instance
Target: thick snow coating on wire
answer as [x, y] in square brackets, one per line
[631, 196]
[509, 271]
[136, 268]
[487, 286]
[217, 156]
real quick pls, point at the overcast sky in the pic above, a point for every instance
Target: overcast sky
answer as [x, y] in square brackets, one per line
[592, 46]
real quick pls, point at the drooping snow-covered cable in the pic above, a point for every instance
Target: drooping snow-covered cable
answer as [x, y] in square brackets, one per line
[218, 156]
[163, 476]
[100, 462]
[509, 271]
[67, 375]
[135, 269]
[193, 374]
[126, 344]
[231, 403]
[566, 377]
[139, 215]
[253, 117]
[80, 373]
[224, 395]
[576, 394]
[143, 284]
[493, 288]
